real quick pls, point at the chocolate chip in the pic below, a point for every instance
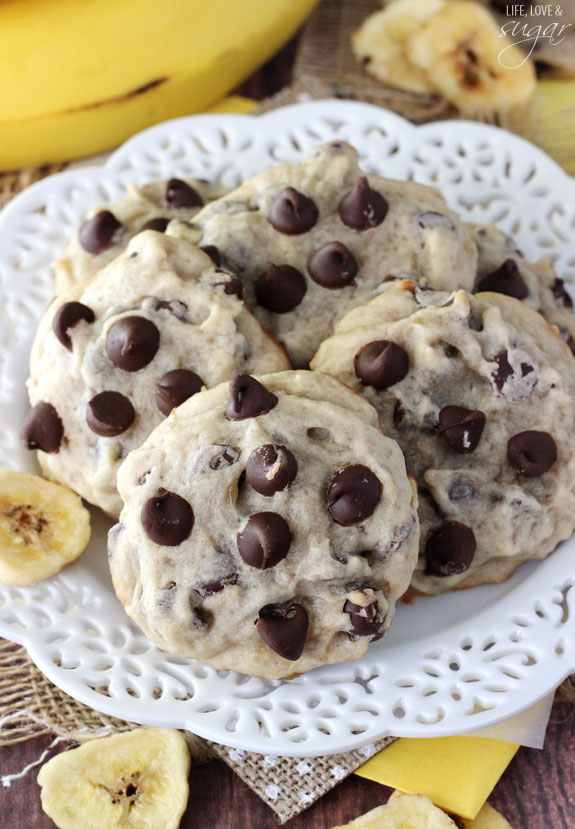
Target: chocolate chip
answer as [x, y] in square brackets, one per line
[561, 294]
[462, 428]
[365, 621]
[175, 387]
[248, 398]
[398, 414]
[179, 195]
[292, 213]
[100, 232]
[504, 369]
[211, 587]
[363, 207]
[109, 414]
[332, 266]
[167, 518]
[475, 322]
[174, 306]
[159, 224]
[213, 253]
[450, 350]
[132, 343]
[318, 434]
[280, 288]
[449, 549]
[505, 280]
[460, 489]
[353, 494]
[66, 317]
[430, 218]
[381, 364]
[42, 428]
[270, 469]
[201, 618]
[232, 285]
[284, 630]
[568, 338]
[264, 540]
[531, 453]
[227, 456]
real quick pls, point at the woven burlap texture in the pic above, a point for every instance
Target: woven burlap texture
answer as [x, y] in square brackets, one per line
[325, 55]
[30, 705]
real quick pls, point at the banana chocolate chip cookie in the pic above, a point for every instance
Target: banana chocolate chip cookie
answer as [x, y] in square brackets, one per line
[106, 231]
[114, 356]
[269, 527]
[313, 239]
[479, 392]
[501, 267]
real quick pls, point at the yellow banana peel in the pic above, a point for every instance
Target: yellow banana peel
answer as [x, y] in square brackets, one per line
[85, 76]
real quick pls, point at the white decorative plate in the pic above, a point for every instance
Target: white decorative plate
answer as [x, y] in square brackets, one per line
[451, 664]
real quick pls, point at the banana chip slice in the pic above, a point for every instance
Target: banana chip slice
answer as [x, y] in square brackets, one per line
[488, 818]
[416, 811]
[379, 43]
[137, 780]
[43, 527]
[464, 56]
[403, 811]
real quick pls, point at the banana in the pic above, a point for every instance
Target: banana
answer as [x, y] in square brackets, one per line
[379, 43]
[136, 779]
[403, 811]
[488, 818]
[43, 527]
[415, 811]
[69, 135]
[464, 56]
[102, 70]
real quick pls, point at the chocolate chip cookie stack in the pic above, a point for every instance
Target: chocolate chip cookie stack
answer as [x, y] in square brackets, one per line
[269, 519]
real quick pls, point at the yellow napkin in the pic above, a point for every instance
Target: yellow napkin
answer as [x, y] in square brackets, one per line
[456, 773]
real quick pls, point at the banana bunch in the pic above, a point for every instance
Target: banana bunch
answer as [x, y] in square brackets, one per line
[134, 780]
[453, 48]
[43, 527]
[415, 811]
[83, 77]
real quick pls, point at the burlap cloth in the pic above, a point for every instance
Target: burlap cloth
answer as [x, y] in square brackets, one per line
[30, 706]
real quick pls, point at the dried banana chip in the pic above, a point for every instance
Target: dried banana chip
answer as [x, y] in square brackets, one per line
[379, 43]
[135, 780]
[488, 818]
[43, 527]
[465, 56]
[403, 811]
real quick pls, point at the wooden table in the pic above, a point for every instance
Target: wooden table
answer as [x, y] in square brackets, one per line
[536, 792]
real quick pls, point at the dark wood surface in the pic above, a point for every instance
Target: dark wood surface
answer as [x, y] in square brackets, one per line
[536, 792]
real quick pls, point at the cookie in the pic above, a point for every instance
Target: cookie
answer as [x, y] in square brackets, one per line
[479, 392]
[269, 527]
[107, 230]
[502, 267]
[314, 239]
[113, 356]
